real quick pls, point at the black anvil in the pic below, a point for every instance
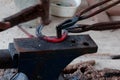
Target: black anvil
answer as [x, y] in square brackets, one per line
[41, 60]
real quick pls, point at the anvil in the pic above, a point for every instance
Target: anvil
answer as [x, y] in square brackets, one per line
[42, 60]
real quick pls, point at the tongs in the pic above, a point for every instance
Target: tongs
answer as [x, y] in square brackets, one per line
[69, 25]
[79, 28]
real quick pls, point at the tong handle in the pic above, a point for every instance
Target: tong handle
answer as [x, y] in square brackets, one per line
[91, 7]
[83, 13]
[96, 27]
[105, 26]
[70, 22]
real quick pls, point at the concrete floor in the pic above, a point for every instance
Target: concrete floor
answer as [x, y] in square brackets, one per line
[107, 41]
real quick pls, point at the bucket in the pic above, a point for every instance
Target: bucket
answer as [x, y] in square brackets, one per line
[64, 8]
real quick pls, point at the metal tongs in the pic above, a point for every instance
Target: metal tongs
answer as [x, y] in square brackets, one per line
[69, 25]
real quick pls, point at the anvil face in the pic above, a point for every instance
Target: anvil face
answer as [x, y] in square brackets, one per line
[34, 45]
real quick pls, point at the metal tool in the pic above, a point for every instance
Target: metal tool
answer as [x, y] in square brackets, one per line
[83, 15]
[69, 25]
[41, 60]
[78, 28]
[50, 39]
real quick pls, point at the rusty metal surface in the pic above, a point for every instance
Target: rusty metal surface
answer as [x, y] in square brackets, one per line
[86, 71]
